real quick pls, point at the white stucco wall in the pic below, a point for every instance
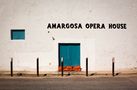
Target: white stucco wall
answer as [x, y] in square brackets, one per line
[99, 45]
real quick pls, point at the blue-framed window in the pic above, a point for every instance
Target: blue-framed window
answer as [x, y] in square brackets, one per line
[18, 34]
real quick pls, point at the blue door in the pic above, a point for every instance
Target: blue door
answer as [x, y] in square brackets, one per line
[70, 54]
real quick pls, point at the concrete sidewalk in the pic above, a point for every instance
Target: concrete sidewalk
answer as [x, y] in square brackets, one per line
[65, 75]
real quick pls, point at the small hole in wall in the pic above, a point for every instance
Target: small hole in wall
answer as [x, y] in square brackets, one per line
[49, 63]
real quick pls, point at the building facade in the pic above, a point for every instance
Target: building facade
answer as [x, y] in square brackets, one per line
[25, 36]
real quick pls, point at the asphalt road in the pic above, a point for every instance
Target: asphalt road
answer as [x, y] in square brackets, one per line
[69, 83]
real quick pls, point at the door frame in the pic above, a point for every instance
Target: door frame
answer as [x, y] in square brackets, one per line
[67, 44]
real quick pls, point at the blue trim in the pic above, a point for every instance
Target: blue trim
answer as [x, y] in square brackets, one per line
[18, 34]
[70, 53]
